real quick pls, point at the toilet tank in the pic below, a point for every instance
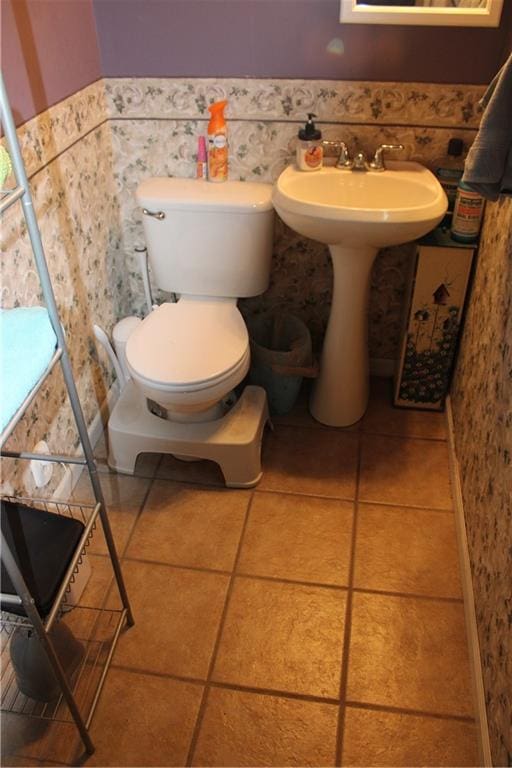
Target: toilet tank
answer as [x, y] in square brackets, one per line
[208, 239]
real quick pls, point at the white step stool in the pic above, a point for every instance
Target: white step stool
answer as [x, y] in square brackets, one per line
[233, 441]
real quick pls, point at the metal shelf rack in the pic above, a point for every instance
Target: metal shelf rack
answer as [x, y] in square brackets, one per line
[98, 627]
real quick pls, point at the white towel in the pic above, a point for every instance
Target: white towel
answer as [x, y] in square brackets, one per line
[488, 168]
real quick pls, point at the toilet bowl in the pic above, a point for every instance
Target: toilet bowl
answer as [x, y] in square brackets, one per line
[189, 355]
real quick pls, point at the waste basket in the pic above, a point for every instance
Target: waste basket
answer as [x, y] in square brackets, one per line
[281, 355]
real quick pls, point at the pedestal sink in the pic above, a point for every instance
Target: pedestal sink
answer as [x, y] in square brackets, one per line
[355, 213]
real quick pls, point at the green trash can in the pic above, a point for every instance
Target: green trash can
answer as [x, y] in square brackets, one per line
[281, 355]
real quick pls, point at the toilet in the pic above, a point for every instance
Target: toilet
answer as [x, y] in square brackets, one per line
[208, 244]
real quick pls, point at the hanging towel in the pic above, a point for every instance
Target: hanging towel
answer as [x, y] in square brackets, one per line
[27, 344]
[488, 168]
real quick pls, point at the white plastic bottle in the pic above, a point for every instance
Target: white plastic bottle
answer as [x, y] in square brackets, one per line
[467, 214]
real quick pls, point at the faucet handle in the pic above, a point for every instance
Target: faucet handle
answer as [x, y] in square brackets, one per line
[344, 160]
[377, 164]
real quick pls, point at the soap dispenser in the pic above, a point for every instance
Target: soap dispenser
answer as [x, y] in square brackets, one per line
[309, 146]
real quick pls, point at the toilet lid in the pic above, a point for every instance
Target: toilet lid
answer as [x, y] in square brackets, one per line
[193, 341]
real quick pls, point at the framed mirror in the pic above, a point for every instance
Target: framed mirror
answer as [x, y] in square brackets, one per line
[450, 13]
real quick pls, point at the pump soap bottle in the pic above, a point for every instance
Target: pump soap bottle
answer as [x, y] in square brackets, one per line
[309, 147]
[217, 143]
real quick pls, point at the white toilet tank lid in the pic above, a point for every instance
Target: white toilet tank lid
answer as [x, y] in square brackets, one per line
[181, 194]
[193, 341]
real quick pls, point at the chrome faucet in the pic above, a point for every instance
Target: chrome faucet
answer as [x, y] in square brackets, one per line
[344, 160]
[360, 162]
[377, 164]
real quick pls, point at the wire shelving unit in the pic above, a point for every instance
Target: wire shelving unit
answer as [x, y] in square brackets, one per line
[96, 627]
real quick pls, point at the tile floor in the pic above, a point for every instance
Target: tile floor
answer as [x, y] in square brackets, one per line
[316, 620]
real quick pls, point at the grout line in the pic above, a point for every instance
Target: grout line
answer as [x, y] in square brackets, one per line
[278, 693]
[306, 495]
[412, 712]
[295, 582]
[362, 502]
[176, 566]
[274, 692]
[406, 595]
[213, 659]
[142, 504]
[348, 616]
[336, 499]
[153, 673]
[442, 510]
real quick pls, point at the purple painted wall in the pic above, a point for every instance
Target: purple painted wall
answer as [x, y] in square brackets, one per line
[49, 51]
[286, 38]
[50, 47]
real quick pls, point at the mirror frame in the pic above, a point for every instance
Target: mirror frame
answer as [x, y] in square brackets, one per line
[352, 13]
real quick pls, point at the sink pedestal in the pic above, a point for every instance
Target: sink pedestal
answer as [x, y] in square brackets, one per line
[340, 394]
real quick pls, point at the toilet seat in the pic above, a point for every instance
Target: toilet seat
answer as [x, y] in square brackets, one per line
[192, 345]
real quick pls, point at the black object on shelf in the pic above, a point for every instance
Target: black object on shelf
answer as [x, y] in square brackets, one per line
[42, 544]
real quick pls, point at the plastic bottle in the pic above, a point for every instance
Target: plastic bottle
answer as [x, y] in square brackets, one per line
[450, 174]
[467, 214]
[217, 143]
[309, 147]
[202, 165]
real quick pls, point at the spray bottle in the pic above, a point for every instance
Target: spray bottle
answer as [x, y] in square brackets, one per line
[217, 143]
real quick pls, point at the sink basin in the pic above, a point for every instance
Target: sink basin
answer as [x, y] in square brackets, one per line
[355, 213]
[395, 206]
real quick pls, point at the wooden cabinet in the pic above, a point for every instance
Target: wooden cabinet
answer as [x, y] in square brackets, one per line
[438, 290]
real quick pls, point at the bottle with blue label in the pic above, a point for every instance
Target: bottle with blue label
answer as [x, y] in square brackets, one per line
[467, 214]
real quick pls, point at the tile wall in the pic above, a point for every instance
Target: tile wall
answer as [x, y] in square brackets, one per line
[68, 156]
[156, 121]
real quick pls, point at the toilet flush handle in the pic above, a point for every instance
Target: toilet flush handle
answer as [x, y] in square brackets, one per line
[157, 214]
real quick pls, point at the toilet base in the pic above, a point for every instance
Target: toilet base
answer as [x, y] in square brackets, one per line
[233, 441]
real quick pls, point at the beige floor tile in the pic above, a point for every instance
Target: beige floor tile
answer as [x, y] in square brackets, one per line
[409, 653]
[407, 550]
[141, 720]
[23, 740]
[124, 496]
[405, 471]
[247, 729]
[30, 741]
[144, 720]
[177, 614]
[186, 525]
[382, 417]
[300, 415]
[314, 461]
[205, 472]
[145, 466]
[97, 585]
[298, 537]
[374, 738]
[283, 637]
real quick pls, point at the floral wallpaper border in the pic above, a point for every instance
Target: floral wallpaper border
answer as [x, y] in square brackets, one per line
[56, 129]
[48, 134]
[454, 106]
[155, 124]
